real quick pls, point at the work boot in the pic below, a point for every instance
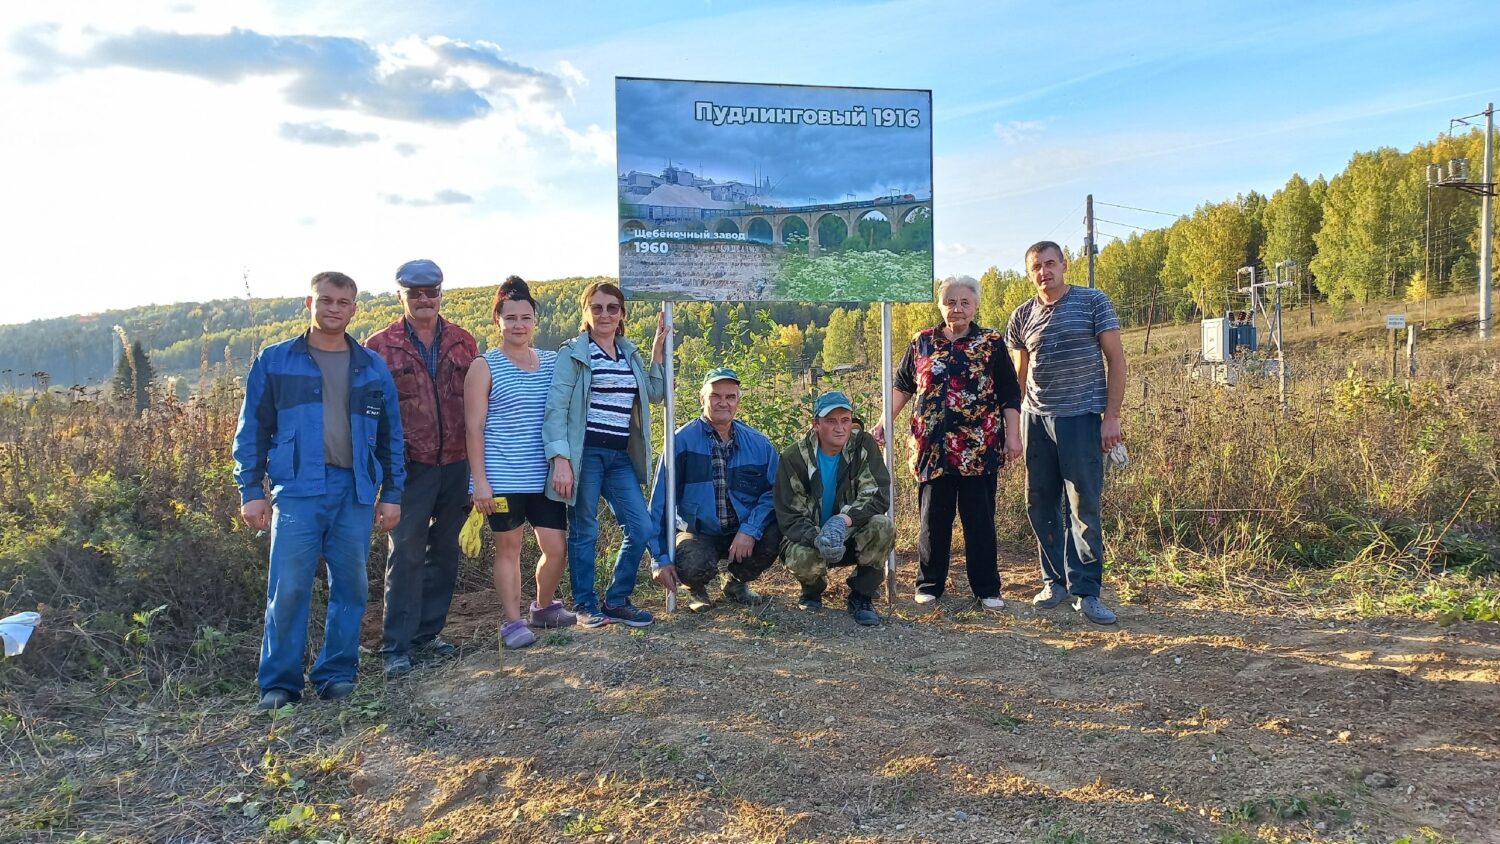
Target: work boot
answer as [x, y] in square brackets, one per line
[698, 598]
[862, 610]
[811, 598]
[739, 592]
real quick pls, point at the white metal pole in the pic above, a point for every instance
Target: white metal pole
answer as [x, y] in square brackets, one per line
[886, 387]
[669, 451]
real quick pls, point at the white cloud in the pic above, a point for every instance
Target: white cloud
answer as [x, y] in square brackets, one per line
[1012, 132]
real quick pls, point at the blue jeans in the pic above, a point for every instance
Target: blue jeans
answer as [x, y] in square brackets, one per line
[1064, 480]
[335, 527]
[607, 472]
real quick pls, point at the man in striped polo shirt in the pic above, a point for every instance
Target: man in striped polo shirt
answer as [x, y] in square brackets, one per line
[1071, 365]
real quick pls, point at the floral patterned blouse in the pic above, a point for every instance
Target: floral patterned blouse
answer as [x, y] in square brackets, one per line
[959, 389]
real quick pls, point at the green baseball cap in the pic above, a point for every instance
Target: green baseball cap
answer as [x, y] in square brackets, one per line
[722, 373]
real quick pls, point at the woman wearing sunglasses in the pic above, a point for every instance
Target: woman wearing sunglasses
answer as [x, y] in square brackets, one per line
[597, 435]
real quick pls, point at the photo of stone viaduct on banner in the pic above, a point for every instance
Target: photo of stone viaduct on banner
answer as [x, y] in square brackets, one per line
[738, 192]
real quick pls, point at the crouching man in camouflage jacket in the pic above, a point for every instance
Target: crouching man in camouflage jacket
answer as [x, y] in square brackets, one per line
[833, 506]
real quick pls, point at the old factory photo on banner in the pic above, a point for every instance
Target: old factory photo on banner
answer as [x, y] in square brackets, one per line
[738, 192]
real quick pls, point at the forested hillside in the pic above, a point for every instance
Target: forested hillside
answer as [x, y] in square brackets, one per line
[1365, 232]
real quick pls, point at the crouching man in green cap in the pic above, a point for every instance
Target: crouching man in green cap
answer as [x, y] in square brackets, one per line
[833, 506]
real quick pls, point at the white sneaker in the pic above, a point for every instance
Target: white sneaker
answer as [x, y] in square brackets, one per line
[924, 598]
[993, 603]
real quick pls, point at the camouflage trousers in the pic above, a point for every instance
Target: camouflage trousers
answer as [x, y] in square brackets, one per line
[699, 557]
[867, 550]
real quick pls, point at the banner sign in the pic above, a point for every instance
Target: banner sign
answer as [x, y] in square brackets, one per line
[738, 192]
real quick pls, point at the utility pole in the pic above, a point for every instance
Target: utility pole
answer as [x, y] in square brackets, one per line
[1088, 238]
[1457, 176]
[1487, 224]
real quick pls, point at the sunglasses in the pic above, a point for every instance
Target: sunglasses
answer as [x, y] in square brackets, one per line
[610, 309]
[424, 292]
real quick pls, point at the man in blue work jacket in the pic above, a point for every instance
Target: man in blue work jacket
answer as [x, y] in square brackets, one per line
[724, 475]
[322, 420]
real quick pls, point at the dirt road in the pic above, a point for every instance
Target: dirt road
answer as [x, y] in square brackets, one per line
[1186, 722]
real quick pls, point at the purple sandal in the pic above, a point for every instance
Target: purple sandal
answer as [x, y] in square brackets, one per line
[553, 615]
[515, 634]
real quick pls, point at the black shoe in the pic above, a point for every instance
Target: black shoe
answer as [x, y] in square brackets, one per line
[396, 665]
[811, 598]
[336, 690]
[863, 610]
[739, 592]
[437, 648]
[698, 598]
[274, 699]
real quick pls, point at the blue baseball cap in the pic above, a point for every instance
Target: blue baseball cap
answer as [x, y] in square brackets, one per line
[419, 273]
[831, 401]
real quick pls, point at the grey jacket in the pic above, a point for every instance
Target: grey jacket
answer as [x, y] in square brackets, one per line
[567, 412]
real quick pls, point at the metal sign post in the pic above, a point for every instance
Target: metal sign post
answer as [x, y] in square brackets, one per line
[669, 451]
[886, 386]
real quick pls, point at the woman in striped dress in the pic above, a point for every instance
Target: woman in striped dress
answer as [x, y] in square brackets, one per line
[597, 435]
[505, 395]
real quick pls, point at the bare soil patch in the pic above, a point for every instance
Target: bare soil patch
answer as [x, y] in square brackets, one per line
[1186, 722]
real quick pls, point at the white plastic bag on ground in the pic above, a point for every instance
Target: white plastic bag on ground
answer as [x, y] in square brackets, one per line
[16, 629]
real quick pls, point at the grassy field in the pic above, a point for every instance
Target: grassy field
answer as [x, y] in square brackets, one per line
[1307, 651]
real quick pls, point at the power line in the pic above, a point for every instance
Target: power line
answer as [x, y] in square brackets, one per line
[1133, 208]
[1126, 225]
[1063, 220]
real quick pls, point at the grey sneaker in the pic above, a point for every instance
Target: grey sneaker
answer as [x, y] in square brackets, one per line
[1094, 610]
[397, 665]
[1050, 596]
[740, 593]
[698, 598]
[591, 617]
[438, 648]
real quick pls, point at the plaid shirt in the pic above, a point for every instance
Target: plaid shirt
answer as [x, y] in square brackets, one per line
[429, 354]
[720, 453]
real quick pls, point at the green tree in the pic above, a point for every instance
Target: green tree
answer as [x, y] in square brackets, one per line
[842, 342]
[1372, 225]
[133, 376]
[1292, 218]
[1212, 244]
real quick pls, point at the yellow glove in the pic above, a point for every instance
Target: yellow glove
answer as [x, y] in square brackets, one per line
[473, 531]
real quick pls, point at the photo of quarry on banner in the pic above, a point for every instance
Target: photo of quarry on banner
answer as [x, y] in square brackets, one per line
[739, 192]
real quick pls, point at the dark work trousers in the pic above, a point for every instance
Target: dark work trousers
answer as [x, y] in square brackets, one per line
[698, 555]
[1064, 480]
[973, 497]
[423, 565]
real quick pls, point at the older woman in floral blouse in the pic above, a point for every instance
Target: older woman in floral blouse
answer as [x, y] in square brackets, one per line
[965, 425]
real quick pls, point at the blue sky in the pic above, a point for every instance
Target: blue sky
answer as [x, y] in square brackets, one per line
[170, 151]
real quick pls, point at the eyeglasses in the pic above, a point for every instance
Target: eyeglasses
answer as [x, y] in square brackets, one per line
[611, 309]
[424, 292]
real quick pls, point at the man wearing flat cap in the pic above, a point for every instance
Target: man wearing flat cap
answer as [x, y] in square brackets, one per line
[833, 505]
[428, 356]
[723, 474]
